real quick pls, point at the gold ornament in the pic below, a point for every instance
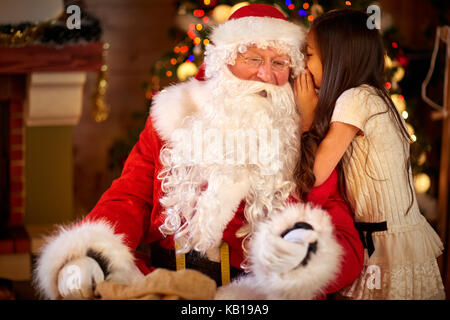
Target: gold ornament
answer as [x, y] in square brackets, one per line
[398, 74]
[100, 110]
[221, 13]
[186, 70]
[399, 102]
[388, 63]
[410, 129]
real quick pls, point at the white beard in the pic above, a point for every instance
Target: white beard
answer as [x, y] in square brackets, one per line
[204, 185]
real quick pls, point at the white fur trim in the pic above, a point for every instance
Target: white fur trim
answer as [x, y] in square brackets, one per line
[234, 36]
[256, 29]
[173, 104]
[268, 254]
[73, 242]
[215, 209]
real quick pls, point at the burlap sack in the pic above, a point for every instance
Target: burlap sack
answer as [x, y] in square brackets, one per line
[161, 284]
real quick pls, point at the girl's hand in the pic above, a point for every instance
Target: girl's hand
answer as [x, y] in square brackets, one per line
[306, 98]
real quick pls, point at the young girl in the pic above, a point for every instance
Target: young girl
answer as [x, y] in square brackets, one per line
[352, 123]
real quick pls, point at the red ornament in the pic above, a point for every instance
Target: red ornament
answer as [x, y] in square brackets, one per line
[402, 59]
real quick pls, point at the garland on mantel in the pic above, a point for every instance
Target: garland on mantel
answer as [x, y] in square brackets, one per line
[55, 32]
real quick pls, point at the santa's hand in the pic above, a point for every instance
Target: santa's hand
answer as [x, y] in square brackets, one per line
[78, 278]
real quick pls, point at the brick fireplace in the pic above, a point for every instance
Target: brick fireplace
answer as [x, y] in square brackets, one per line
[41, 88]
[13, 237]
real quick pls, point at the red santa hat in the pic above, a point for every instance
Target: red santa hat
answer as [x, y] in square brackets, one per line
[256, 24]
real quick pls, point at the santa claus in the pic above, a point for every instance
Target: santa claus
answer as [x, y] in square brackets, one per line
[214, 164]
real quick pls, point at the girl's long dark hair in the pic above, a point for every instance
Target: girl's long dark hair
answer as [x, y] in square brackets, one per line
[351, 55]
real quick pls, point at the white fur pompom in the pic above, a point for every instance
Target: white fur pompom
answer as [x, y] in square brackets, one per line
[73, 242]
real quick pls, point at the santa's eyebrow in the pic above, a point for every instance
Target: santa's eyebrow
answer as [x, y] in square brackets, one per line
[279, 55]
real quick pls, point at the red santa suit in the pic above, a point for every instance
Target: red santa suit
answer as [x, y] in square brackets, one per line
[132, 210]
[130, 213]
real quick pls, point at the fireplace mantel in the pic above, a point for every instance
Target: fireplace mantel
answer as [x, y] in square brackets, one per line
[43, 58]
[55, 79]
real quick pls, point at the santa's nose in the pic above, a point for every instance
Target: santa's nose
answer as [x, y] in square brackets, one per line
[265, 74]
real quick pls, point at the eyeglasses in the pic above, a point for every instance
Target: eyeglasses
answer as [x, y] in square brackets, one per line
[256, 62]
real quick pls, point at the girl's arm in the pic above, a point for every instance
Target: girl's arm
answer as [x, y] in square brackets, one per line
[332, 148]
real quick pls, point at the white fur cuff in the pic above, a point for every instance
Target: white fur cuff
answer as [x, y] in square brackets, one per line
[275, 271]
[74, 242]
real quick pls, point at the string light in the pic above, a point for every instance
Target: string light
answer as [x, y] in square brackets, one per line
[199, 13]
[410, 129]
[302, 13]
[310, 18]
[348, 3]
[405, 115]
[191, 34]
[422, 182]
[306, 5]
